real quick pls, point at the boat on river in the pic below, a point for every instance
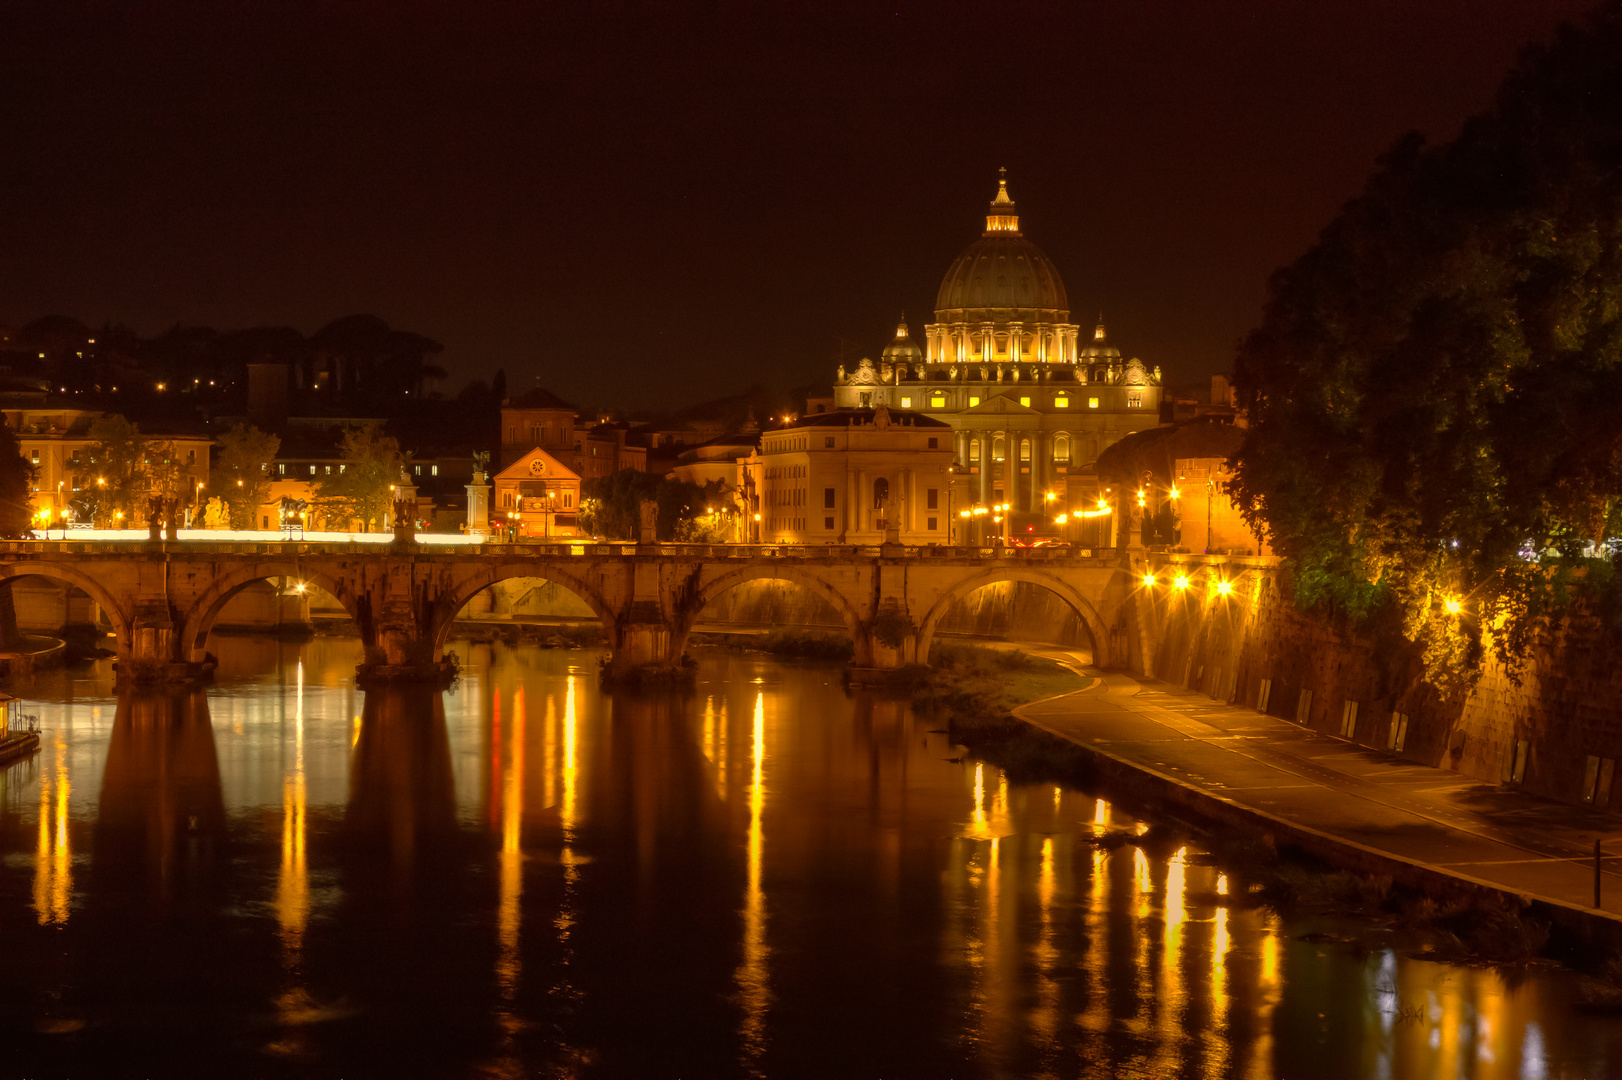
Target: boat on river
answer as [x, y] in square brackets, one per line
[21, 736]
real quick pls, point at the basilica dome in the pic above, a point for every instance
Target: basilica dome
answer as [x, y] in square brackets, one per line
[1002, 299]
[1002, 270]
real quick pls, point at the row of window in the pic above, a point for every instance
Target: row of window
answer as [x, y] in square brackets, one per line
[788, 524]
[1061, 448]
[1134, 400]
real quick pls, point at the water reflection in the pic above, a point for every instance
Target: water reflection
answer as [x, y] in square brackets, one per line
[161, 823]
[764, 876]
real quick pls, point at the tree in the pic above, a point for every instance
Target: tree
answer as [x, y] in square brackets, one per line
[363, 487]
[1435, 428]
[116, 463]
[611, 506]
[16, 484]
[241, 476]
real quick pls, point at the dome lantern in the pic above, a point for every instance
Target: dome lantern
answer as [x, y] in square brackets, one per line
[1002, 221]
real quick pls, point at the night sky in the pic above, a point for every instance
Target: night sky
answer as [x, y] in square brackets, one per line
[646, 205]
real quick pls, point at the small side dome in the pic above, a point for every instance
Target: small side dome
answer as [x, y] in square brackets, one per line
[1100, 350]
[902, 350]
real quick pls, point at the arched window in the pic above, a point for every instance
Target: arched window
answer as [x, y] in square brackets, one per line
[997, 449]
[881, 493]
[974, 450]
[1061, 448]
[1025, 450]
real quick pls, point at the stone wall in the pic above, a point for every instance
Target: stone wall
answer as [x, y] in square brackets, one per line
[1566, 710]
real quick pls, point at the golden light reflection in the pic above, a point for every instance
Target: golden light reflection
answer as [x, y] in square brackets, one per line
[1045, 1019]
[509, 913]
[1269, 990]
[979, 796]
[753, 991]
[1096, 958]
[1174, 913]
[293, 878]
[1100, 817]
[53, 857]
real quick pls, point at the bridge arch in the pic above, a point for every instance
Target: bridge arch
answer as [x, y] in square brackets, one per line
[456, 598]
[117, 615]
[199, 620]
[731, 579]
[995, 575]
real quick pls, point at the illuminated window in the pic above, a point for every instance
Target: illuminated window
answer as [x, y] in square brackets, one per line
[1024, 449]
[1092, 403]
[433, 470]
[1025, 401]
[1061, 402]
[938, 401]
[974, 450]
[997, 453]
[906, 403]
[1061, 448]
[974, 400]
[1134, 399]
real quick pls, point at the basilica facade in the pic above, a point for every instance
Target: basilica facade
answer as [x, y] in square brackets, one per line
[1004, 366]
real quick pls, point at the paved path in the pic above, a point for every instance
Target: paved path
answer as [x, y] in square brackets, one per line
[1457, 824]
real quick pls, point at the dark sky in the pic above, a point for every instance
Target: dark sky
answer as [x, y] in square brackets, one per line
[648, 204]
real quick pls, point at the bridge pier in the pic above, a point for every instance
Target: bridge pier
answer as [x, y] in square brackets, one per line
[150, 652]
[402, 648]
[646, 636]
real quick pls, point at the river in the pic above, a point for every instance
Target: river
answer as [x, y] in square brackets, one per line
[283, 876]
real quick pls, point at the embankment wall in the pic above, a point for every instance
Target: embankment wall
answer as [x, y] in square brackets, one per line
[1557, 732]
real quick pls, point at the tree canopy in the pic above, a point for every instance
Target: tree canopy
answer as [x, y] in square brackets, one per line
[1435, 392]
[16, 480]
[364, 487]
[241, 476]
[611, 506]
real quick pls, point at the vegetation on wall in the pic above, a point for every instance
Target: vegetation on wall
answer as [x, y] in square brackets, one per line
[1435, 393]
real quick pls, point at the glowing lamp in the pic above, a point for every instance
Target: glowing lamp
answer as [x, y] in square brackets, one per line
[1452, 605]
[1148, 581]
[1224, 588]
[1174, 493]
[1061, 519]
[1181, 582]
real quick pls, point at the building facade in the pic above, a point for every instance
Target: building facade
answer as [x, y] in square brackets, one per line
[57, 442]
[1005, 368]
[849, 477]
[540, 419]
[537, 497]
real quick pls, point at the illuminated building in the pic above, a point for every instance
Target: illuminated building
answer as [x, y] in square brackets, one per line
[1004, 366]
[845, 477]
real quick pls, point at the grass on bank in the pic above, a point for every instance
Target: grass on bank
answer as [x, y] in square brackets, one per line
[977, 689]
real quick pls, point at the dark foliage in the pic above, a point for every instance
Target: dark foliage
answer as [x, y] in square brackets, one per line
[1435, 394]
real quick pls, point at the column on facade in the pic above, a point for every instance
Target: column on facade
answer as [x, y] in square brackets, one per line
[914, 497]
[1038, 503]
[850, 503]
[985, 467]
[864, 501]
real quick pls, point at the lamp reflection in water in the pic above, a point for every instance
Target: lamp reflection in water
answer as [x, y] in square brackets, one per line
[754, 992]
[53, 855]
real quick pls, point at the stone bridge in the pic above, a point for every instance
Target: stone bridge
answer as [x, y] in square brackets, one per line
[162, 598]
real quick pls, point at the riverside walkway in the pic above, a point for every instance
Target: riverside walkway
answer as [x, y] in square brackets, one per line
[1377, 804]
